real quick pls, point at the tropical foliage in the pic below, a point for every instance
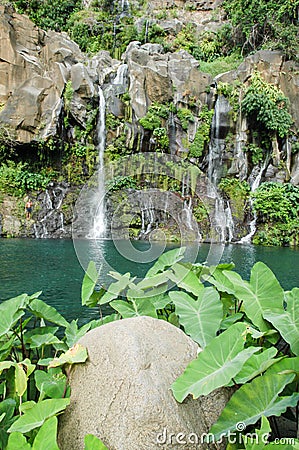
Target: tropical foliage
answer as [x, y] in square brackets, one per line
[37, 350]
[247, 330]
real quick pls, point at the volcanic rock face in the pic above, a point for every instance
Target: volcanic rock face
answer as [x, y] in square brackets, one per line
[38, 68]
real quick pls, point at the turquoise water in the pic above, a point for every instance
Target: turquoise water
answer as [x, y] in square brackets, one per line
[55, 266]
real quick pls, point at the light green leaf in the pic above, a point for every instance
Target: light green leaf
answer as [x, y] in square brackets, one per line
[76, 354]
[184, 278]
[265, 402]
[287, 322]
[220, 281]
[115, 289]
[200, 318]
[259, 439]
[17, 441]
[46, 436]
[136, 308]
[38, 331]
[216, 365]
[263, 292]
[38, 414]
[20, 379]
[73, 333]
[7, 407]
[256, 365]
[51, 384]
[91, 442]
[285, 365]
[230, 320]
[38, 340]
[46, 312]
[151, 282]
[89, 283]
[166, 260]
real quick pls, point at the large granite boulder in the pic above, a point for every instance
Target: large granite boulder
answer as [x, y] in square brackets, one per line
[122, 394]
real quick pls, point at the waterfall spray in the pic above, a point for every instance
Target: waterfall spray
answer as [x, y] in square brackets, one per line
[99, 226]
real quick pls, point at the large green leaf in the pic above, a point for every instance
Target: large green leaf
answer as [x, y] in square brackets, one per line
[287, 322]
[91, 442]
[39, 340]
[220, 281]
[166, 260]
[46, 436]
[137, 307]
[200, 318]
[89, 283]
[285, 365]
[51, 384]
[184, 278]
[47, 312]
[73, 333]
[38, 414]
[256, 365]
[258, 440]
[115, 289]
[17, 441]
[261, 397]
[263, 292]
[76, 354]
[216, 365]
[7, 409]
[9, 317]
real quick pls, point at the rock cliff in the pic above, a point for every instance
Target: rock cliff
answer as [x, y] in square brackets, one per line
[49, 89]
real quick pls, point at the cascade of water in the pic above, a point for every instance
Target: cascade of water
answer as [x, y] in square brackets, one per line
[99, 225]
[147, 214]
[187, 210]
[229, 222]
[125, 6]
[120, 80]
[223, 218]
[217, 142]
[252, 225]
[220, 219]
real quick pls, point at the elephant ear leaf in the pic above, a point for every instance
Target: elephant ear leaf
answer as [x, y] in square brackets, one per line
[216, 365]
[265, 402]
[201, 318]
[287, 322]
[263, 292]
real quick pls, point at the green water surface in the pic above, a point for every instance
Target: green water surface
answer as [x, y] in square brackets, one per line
[31, 265]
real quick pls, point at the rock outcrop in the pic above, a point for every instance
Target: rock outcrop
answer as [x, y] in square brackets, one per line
[50, 89]
[122, 394]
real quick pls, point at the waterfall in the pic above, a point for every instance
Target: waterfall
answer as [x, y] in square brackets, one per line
[255, 184]
[217, 143]
[229, 222]
[147, 215]
[120, 80]
[222, 216]
[99, 225]
[187, 210]
[125, 6]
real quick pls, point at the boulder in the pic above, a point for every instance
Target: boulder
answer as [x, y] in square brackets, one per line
[122, 393]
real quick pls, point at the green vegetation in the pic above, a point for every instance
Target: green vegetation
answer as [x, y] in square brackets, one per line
[247, 331]
[263, 24]
[202, 135]
[238, 194]
[17, 179]
[277, 208]
[267, 107]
